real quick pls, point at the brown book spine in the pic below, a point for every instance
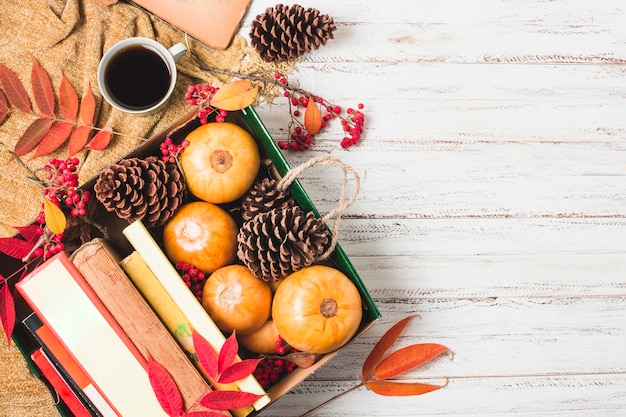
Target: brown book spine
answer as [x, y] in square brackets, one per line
[98, 263]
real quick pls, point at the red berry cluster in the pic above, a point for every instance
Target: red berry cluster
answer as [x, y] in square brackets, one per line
[200, 96]
[170, 151]
[193, 277]
[60, 179]
[270, 370]
[299, 138]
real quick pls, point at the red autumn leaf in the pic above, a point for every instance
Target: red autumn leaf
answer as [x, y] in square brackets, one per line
[78, 139]
[396, 389]
[238, 370]
[42, 89]
[312, 117]
[228, 353]
[101, 139]
[165, 389]
[383, 346]
[235, 95]
[7, 310]
[4, 107]
[29, 232]
[32, 136]
[55, 137]
[206, 354]
[14, 247]
[228, 400]
[87, 107]
[408, 358]
[68, 99]
[14, 90]
[203, 413]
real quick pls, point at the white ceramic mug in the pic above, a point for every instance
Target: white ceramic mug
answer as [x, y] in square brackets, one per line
[138, 75]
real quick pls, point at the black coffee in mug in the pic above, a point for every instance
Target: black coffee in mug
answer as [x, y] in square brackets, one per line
[137, 77]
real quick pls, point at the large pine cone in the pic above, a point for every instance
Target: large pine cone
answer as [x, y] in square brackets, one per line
[274, 244]
[283, 33]
[263, 197]
[141, 189]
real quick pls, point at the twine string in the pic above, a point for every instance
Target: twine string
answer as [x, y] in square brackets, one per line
[344, 202]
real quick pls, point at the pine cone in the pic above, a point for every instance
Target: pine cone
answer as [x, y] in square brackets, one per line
[263, 197]
[274, 244]
[283, 33]
[147, 189]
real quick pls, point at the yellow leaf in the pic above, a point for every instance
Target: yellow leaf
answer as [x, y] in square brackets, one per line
[55, 218]
[235, 95]
[312, 117]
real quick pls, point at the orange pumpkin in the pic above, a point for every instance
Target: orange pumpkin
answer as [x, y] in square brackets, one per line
[317, 309]
[263, 341]
[220, 162]
[237, 300]
[201, 234]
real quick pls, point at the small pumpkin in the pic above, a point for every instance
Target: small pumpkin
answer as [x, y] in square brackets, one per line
[263, 341]
[201, 234]
[317, 309]
[220, 162]
[237, 300]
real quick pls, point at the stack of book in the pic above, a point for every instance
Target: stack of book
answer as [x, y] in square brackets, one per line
[97, 319]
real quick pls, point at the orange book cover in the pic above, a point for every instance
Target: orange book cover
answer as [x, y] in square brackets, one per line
[59, 295]
[212, 22]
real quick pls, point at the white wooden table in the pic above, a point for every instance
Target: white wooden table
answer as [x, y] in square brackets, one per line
[493, 199]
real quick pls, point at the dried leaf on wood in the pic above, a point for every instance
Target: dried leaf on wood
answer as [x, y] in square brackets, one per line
[312, 117]
[383, 345]
[55, 137]
[206, 354]
[42, 89]
[235, 95]
[228, 400]
[87, 106]
[4, 107]
[78, 139]
[101, 139]
[396, 389]
[55, 218]
[14, 247]
[238, 370]
[33, 135]
[7, 310]
[165, 389]
[407, 358]
[14, 89]
[68, 99]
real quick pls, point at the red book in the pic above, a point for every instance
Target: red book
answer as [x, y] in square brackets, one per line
[60, 386]
[66, 304]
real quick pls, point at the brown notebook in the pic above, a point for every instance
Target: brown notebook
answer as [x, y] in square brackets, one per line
[212, 22]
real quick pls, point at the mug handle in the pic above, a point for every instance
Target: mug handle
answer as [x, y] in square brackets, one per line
[178, 51]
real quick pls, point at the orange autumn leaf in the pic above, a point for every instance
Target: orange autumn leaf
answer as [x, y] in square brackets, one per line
[78, 139]
[55, 218]
[14, 89]
[68, 99]
[383, 345]
[32, 136]
[399, 389]
[312, 117]
[55, 137]
[235, 95]
[87, 106]
[4, 107]
[408, 358]
[101, 139]
[42, 89]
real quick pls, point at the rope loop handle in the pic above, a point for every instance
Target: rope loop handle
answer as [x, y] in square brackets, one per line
[344, 202]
